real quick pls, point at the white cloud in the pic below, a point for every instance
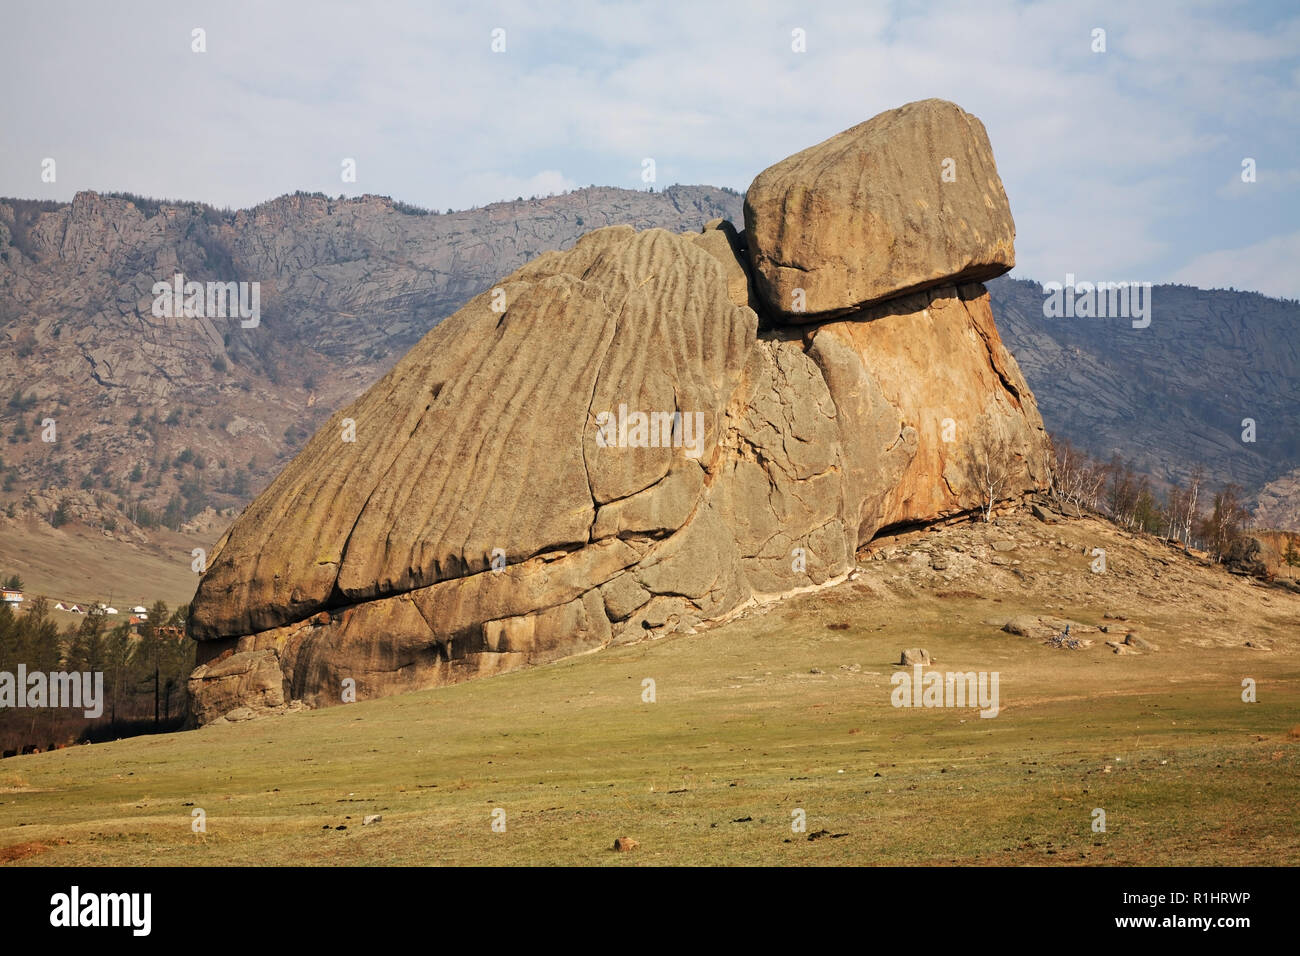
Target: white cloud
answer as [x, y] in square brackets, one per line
[495, 186]
[1108, 159]
[1271, 267]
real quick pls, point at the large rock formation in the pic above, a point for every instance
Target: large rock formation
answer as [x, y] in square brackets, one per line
[600, 449]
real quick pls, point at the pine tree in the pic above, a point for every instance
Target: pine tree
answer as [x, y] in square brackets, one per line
[89, 650]
[119, 654]
[38, 648]
[151, 655]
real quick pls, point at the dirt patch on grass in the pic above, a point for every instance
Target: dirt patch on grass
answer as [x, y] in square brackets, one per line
[20, 851]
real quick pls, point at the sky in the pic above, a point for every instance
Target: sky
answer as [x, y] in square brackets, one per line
[1122, 164]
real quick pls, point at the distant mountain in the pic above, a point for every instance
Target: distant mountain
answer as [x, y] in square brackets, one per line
[1176, 393]
[159, 417]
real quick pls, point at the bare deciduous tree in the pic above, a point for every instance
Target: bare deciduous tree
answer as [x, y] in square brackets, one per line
[992, 465]
[1076, 479]
[1225, 525]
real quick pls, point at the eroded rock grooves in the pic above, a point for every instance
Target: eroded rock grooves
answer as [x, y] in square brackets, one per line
[373, 560]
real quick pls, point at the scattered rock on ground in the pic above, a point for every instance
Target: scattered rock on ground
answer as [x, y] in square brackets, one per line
[916, 655]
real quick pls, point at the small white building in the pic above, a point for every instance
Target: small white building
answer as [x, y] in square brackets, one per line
[11, 595]
[140, 612]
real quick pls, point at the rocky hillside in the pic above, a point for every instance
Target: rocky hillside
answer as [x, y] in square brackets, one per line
[157, 417]
[1176, 393]
[1279, 503]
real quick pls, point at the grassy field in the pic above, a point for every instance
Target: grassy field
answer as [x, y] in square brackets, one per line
[774, 712]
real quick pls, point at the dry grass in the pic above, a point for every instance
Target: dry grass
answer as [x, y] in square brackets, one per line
[80, 564]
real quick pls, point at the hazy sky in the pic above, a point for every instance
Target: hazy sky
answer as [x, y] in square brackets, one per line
[1121, 165]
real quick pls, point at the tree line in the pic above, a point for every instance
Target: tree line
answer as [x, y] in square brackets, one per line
[1188, 512]
[144, 672]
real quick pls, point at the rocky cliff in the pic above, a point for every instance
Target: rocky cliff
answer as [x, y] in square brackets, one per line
[604, 447]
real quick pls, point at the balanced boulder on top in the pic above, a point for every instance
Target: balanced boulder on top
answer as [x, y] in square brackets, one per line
[908, 200]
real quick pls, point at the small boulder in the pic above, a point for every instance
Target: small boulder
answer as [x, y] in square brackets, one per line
[915, 655]
[1132, 640]
[1024, 626]
[372, 818]
[626, 844]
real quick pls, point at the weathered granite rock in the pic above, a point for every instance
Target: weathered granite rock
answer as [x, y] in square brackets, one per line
[517, 433]
[928, 396]
[905, 201]
[719, 239]
[599, 450]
